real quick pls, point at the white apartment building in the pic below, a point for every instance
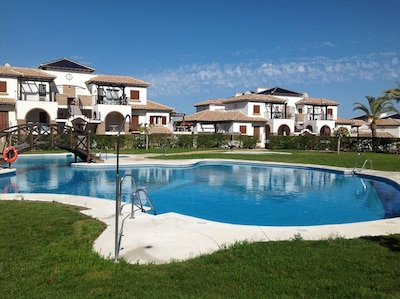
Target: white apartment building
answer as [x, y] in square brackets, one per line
[67, 92]
[273, 111]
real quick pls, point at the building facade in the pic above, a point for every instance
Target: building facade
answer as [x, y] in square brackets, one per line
[67, 92]
[274, 111]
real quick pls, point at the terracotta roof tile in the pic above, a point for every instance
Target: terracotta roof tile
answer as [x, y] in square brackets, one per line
[388, 122]
[344, 121]
[159, 130]
[358, 122]
[216, 101]
[254, 97]
[153, 106]
[317, 102]
[118, 81]
[20, 72]
[222, 116]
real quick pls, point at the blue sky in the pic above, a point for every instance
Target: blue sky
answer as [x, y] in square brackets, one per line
[191, 51]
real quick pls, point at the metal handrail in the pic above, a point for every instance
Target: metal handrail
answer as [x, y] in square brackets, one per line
[365, 163]
[133, 181]
[138, 192]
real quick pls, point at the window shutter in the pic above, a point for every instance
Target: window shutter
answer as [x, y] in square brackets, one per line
[164, 120]
[152, 120]
[3, 86]
[134, 94]
[256, 109]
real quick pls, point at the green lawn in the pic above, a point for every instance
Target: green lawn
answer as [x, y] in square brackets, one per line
[46, 252]
[344, 159]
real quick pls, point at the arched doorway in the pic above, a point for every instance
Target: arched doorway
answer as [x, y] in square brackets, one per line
[113, 121]
[284, 130]
[37, 116]
[325, 131]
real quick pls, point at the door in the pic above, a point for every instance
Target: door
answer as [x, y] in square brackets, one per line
[4, 120]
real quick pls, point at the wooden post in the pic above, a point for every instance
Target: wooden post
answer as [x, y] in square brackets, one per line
[88, 147]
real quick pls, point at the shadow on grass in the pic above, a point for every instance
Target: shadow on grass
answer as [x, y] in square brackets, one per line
[390, 242]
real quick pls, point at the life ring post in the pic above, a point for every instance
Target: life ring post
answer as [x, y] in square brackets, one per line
[10, 154]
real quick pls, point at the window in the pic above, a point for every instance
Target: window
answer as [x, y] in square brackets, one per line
[243, 129]
[134, 94]
[112, 94]
[158, 120]
[42, 90]
[256, 109]
[3, 86]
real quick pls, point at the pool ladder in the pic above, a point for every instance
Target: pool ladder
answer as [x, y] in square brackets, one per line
[139, 199]
[364, 164]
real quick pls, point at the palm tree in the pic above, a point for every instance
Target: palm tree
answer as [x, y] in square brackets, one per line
[393, 93]
[376, 107]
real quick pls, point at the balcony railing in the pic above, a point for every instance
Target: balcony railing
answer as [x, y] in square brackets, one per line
[278, 115]
[318, 116]
[111, 101]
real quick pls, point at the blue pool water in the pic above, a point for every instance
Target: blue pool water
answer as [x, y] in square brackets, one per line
[231, 192]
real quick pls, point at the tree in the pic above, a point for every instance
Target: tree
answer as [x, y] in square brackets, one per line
[393, 93]
[376, 107]
[340, 133]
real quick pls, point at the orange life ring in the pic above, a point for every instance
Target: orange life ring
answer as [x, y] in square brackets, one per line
[10, 188]
[10, 154]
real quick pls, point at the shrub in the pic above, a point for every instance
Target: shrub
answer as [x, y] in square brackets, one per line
[305, 142]
[248, 141]
[212, 140]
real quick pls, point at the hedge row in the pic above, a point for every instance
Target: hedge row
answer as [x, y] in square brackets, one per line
[142, 141]
[384, 145]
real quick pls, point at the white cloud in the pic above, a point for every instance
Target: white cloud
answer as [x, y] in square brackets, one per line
[198, 78]
[327, 45]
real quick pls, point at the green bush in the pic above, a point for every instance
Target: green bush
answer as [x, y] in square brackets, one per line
[248, 141]
[184, 141]
[353, 144]
[306, 142]
[212, 140]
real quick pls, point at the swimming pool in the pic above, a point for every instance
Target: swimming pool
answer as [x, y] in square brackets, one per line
[231, 192]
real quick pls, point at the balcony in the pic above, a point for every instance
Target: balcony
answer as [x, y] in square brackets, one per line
[103, 100]
[278, 115]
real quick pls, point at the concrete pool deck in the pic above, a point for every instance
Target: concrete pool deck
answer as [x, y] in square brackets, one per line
[167, 237]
